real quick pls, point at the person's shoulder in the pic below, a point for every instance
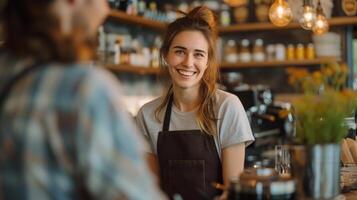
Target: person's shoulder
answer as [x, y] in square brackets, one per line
[150, 107]
[224, 97]
[94, 75]
[88, 80]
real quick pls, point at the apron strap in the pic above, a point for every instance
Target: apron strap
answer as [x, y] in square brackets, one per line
[12, 83]
[168, 114]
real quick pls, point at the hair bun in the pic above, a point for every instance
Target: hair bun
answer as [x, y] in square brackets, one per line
[205, 14]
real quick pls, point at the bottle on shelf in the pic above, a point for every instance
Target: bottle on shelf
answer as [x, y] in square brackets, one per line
[231, 52]
[290, 52]
[245, 55]
[280, 52]
[132, 7]
[141, 7]
[300, 51]
[155, 54]
[117, 52]
[258, 51]
[270, 51]
[102, 47]
[310, 51]
[225, 17]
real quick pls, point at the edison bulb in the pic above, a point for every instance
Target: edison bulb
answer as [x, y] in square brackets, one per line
[280, 13]
[321, 25]
[235, 3]
[308, 18]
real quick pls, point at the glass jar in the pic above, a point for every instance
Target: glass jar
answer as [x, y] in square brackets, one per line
[300, 51]
[230, 52]
[258, 51]
[244, 54]
[310, 51]
[290, 52]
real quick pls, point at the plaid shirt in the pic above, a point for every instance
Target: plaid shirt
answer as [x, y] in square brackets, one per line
[63, 127]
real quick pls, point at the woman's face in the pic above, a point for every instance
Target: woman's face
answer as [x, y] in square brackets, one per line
[187, 59]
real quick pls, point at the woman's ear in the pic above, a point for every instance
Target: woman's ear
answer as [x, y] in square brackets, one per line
[164, 62]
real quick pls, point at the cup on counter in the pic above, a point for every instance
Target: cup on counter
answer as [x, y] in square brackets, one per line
[282, 159]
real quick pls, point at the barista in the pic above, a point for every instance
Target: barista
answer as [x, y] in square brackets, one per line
[197, 132]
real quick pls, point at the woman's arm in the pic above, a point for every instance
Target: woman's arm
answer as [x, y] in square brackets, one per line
[232, 161]
[153, 165]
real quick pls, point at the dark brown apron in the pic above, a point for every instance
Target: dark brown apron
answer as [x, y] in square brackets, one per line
[189, 162]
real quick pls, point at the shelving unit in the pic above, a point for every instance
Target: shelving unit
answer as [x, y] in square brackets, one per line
[247, 27]
[285, 63]
[226, 66]
[133, 69]
[136, 20]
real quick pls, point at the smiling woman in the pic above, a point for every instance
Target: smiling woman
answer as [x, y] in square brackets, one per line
[197, 133]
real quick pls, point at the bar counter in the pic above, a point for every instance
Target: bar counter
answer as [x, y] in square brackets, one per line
[350, 195]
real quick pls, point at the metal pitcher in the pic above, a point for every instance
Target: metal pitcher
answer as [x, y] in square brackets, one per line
[317, 170]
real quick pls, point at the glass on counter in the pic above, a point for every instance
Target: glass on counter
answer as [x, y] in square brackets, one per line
[282, 159]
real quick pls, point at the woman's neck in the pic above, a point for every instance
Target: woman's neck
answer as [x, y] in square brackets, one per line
[186, 99]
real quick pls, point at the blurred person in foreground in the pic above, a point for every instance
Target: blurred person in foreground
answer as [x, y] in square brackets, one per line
[64, 133]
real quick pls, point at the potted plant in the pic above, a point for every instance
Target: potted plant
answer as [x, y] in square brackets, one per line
[320, 113]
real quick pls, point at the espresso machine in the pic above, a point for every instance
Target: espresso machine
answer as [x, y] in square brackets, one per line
[272, 122]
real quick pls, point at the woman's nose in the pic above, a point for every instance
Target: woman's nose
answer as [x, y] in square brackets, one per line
[188, 61]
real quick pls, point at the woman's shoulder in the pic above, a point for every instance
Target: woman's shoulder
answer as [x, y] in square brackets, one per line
[224, 97]
[150, 107]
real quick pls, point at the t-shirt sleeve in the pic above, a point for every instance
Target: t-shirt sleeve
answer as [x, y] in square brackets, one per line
[234, 127]
[142, 126]
[110, 148]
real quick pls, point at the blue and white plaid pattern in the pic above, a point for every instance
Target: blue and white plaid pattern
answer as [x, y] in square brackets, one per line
[65, 122]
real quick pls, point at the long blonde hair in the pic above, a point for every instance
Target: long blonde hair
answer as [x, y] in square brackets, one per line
[199, 19]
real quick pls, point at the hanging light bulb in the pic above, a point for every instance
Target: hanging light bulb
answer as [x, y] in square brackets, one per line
[308, 16]
[321, 25]
[280, 13]
[235, 3]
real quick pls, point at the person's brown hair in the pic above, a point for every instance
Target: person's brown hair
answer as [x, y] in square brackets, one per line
[31, 30]
[203, 20]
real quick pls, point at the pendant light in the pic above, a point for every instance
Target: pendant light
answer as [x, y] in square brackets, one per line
[321, 25]
[308, 16]
[280, 13]
[235, 3]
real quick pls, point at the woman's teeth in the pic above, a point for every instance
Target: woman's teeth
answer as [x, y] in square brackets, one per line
[186, 73]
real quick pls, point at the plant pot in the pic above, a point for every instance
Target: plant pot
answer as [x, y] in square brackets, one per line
[317, 170]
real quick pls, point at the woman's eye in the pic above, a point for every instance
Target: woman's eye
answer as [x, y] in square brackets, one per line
[199, 55]
[179, 52]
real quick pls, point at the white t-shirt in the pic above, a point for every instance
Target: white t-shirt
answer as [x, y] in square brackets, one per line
[232, 125]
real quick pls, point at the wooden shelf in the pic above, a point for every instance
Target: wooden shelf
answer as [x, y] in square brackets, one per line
[317, 61]
[133, 69]
[224, 66]
[257, 26]
[337, 21]
[136, 20]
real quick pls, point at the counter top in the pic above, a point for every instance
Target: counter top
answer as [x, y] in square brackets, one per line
[351, 195]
